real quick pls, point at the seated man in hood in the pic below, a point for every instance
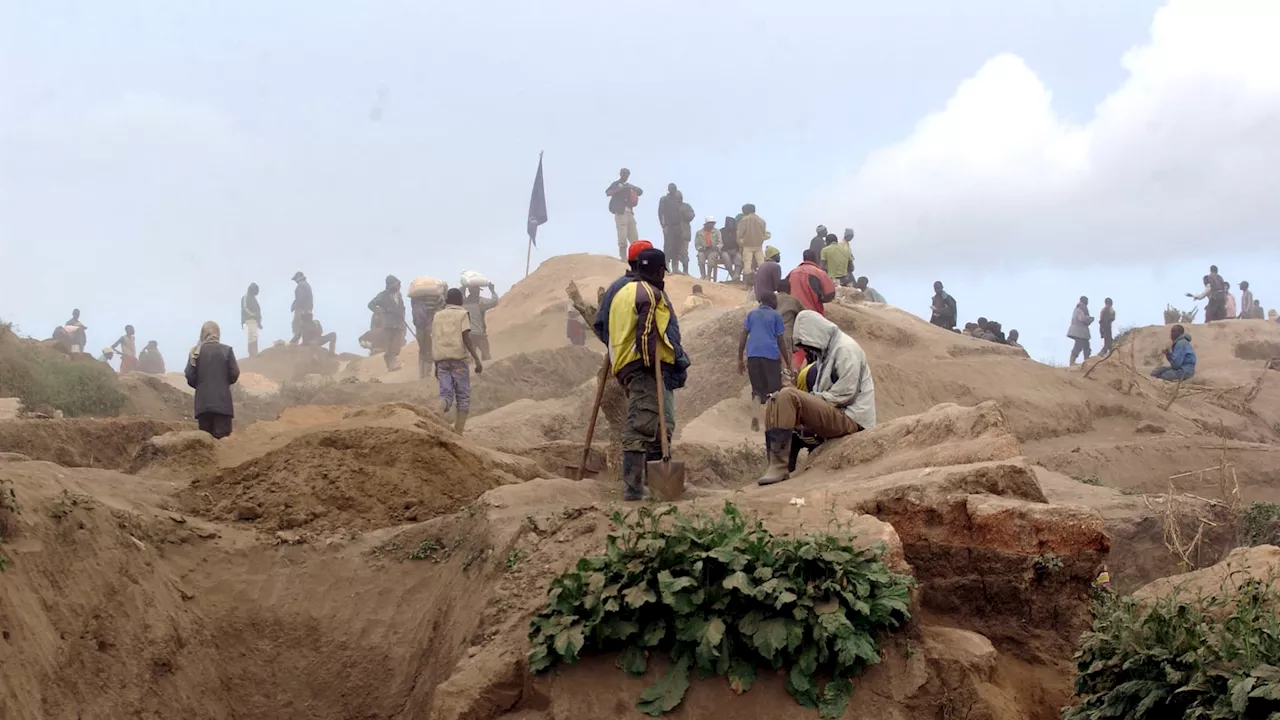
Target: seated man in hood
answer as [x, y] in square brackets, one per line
[841, 398]
[1181, 357]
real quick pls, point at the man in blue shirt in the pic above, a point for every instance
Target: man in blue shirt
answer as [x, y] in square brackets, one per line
[762, 351]
[1181, 357]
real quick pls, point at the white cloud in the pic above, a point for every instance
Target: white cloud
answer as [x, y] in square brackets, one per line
[1184, 156]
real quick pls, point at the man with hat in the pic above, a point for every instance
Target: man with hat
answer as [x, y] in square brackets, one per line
[707, 243]
[769, 274]
[819, 240]
[303, 302]
[641, 333]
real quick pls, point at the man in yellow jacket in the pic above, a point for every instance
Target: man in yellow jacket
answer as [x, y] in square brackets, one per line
[642, 332]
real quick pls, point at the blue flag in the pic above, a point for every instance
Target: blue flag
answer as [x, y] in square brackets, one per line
[537, 205]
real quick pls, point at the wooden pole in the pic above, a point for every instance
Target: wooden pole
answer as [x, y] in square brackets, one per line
[528, 257]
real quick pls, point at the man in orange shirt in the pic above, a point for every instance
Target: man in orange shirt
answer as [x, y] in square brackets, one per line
[811, 285]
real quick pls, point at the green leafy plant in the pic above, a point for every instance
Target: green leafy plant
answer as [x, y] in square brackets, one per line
[722, 595]
[1260, 524]
[1212, 657]
[514, 558]
[1088, 479]
[426, 550]
[8, 508]
[1046, 565]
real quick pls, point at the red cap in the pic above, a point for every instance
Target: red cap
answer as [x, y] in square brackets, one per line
[637, 247]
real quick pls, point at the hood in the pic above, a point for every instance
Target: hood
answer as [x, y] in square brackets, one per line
[1184, 336]
[814, 330]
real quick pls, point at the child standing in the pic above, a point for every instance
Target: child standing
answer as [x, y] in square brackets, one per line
[762, 350]
[127, 346]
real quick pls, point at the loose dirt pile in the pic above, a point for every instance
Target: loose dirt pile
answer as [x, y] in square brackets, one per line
[82, 442]
[366, 473]
[290, 363]
[154, 397]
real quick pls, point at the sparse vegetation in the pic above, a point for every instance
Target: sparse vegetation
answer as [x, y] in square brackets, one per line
[1087, 479]
[514, 559]
[1046, 565]
[426, 550]
[722, 595]
[1260, 524]
[66, 502]
[42, 377]
[8, 508]
[1215, 658]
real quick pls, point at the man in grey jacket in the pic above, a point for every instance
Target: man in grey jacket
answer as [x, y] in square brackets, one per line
[841, 400]
[1079, 330]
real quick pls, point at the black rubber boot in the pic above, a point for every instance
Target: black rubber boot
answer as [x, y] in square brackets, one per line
[633, 476]
[778, 442]
[794, 455]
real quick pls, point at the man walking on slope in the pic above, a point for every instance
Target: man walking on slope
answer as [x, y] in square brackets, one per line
[303, 302]
[638, 325]
[1105, 319]
[943, 308]
[251, 318]
[840, 401]
[451, 346]
[768, 275]
[623, 198]
[477, 307]
[762, 350]
[1079, 330]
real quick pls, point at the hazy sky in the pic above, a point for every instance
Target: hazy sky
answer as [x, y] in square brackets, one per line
[156, 158]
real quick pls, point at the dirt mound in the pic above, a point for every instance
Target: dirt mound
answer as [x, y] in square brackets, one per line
[1241, 566]
[154, 397]
[290, 363]
[355, 478]
[82, 442]
[183, 454]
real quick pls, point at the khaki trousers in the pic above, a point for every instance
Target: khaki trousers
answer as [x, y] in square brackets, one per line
[791, 408]
[627, 232]
[752, 259]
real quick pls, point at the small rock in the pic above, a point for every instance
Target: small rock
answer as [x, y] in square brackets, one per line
[411, 516]
[473, 651]
[205, 533]
[141, 545]
[1149, 427]
[248, 511]
[178, 519]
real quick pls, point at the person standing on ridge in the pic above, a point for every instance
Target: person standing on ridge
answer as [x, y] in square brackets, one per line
[1105, 320]
[303, 302]
[79, 337]
[1229, 310]
[730, 249]
[642, 335]
[819, 240]
[943, 308]
[623, 198]
[251, 318]
[388, 307]
[811, 285]
[476, 308]
[707, 243]
[212, 370]
[1246, 300]
[762, 351]
[451, 346]
[837, 261]
[752, 232]
[127, 345]
[1079, 330]
[669, 219]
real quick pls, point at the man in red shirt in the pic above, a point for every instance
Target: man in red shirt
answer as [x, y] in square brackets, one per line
[811, 285]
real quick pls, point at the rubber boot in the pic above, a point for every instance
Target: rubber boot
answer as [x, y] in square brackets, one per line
[633, 476]
[794, 455]
[778, 442]
[460, 422]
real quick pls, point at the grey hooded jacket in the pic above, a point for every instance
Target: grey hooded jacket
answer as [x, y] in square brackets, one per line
[844, 378]
[1080, 322]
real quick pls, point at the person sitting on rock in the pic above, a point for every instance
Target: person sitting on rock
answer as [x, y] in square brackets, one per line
[841, 398]
[1181, 357]
[150, 361]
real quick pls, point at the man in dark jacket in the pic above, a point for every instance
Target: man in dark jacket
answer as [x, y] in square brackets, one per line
[943, 308]
[730, 250]
[388, 309]
[818, 241]
[251, 318]
[303, 302]
[669, 219]
[212, 370]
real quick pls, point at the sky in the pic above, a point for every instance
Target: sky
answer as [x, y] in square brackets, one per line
[157, 158]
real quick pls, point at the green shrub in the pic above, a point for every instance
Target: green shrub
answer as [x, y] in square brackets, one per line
[41, 376]
[724, 596]
[1213, 658]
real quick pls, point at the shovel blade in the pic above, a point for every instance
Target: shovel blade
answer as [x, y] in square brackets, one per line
[666, 479]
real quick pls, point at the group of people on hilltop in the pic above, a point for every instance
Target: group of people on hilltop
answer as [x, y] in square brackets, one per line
[1222, 302]
[72, 336]
[831, 394]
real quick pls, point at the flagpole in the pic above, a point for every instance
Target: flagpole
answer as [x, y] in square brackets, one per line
[528, 256]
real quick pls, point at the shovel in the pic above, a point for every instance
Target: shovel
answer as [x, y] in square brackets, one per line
[665, 476]
[602, 377]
